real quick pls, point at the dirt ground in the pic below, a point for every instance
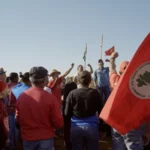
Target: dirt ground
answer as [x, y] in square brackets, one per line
[103, 145]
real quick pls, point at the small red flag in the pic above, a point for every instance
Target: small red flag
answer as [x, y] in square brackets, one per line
[110, 51]
[128, 106]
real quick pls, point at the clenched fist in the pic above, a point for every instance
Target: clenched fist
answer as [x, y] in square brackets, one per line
[114, 55]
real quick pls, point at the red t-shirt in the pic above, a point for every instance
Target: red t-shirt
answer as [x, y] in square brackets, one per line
[113, 79]
[55, 87]
[38, 114]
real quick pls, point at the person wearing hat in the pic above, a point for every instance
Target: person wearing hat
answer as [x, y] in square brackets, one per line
[4, 125]
[101, 78]
[38, 113]
[2, 75]
[55, 83]
[82, 105]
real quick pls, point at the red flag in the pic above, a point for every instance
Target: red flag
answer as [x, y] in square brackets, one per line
[128, 106]
[110, 51]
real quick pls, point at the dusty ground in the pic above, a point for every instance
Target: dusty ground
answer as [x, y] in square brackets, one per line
[103, 145]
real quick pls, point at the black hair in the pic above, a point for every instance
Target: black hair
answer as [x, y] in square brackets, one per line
[13, 76]
[24, 77]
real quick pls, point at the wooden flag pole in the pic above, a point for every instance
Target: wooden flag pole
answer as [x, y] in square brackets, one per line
[101, 47]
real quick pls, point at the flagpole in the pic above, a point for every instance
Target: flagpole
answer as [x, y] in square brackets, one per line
[85, 56]
[85, 65]
[101, 47]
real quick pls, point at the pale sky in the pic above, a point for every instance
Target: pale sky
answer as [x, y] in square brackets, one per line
[53, 33]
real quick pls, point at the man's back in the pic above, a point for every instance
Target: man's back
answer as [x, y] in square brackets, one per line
[84, 102]
[38, 114]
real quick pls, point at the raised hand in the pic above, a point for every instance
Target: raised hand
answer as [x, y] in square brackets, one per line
[72, 65]
[89, 65]
[114, 55]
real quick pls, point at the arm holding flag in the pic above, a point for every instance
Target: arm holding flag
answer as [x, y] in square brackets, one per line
[112, 66]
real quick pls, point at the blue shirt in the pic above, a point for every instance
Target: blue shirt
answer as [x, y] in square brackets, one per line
[19, 89]
[101, 77]
[89, 121]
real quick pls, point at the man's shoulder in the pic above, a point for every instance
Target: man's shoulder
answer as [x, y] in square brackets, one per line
[114, 74]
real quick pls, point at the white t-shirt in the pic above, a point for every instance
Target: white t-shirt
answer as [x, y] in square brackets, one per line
[48, 89]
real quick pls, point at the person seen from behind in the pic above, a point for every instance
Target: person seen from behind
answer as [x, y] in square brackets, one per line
[13, 80]
[15, 92]
[38, 113]
[68, 87]
[82, 106]
[4, 124]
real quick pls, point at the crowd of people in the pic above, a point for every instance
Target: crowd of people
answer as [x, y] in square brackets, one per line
[37, 105]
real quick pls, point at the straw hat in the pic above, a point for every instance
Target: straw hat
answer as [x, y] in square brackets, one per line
[55, 71]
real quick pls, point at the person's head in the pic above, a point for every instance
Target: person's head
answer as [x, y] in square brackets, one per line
[55, 74]
[123, 66]
[13, 77]
[80, 68]
[100, 63]
[39, 76]
[25, 78]
[85, 78]
[2, 75]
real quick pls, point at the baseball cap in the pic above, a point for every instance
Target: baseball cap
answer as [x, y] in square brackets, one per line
[55, 71]
[38, 72]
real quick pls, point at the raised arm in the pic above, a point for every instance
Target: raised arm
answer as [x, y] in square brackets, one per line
[112, 66]
[68, 71]
[53, 84]
[91, 69]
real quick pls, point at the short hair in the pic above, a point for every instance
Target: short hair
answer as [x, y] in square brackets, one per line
[85, 78]
[13, 76]
[24, 77]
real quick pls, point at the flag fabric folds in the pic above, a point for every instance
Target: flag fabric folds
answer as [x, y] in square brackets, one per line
[110, 51]
[128, 106]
